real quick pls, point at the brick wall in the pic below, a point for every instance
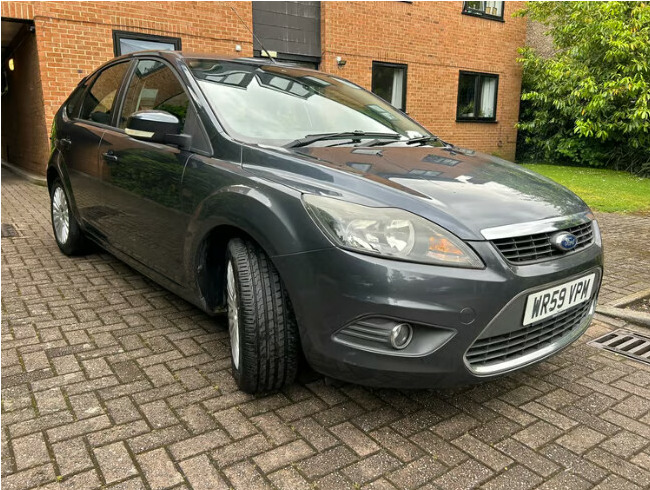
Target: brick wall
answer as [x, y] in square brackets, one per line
[436, 41]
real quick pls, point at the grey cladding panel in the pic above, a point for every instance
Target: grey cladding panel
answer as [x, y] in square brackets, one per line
[288, 27]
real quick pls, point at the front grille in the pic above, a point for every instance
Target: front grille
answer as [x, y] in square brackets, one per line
[495, 350]
[537, 247]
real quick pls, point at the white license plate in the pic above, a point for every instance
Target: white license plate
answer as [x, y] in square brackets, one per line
[557, 299]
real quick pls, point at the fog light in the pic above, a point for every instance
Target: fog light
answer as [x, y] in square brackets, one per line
[401, 335]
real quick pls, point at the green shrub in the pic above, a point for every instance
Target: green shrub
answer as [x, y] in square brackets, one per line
[589, 104]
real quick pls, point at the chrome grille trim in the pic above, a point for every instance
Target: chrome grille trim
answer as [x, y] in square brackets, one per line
[536, 248]
[503, 353]
[539, 226]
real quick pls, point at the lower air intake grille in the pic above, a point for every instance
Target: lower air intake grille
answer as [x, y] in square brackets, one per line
[495, 350]
[537, 247]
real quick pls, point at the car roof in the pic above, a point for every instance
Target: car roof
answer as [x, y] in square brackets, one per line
[179, 57]
[182, 55]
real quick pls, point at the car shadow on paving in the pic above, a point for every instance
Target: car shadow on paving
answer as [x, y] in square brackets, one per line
[109, 380]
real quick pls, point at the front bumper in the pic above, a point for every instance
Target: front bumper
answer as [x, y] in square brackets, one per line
[450, 308]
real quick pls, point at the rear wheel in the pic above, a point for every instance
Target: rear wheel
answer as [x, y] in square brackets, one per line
[67, 232]
[261, 323]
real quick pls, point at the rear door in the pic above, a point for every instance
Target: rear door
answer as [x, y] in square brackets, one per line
[142, 180]
[80, 136]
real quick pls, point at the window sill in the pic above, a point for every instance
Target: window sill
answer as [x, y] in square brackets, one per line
[483, 16]
[481, 121]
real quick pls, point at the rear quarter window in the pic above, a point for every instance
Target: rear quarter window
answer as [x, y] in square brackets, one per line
[73, 104]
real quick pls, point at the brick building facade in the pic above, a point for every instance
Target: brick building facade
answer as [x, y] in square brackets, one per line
[424, 49]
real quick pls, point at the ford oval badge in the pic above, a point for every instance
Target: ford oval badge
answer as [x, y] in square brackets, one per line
[564, 241]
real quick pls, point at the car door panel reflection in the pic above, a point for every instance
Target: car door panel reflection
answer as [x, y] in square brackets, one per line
[142, 186]
[83, 168]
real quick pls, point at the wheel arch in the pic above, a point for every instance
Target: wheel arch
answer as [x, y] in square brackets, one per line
[275, 221]
[211, 263]
[56, 170]
[51, 175]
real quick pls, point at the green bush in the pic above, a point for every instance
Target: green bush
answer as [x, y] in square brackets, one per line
[589, 103]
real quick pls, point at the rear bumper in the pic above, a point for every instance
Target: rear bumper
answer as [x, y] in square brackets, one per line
[449, 308]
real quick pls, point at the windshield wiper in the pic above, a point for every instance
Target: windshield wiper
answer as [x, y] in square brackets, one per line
[424, 139]
[410, 141]
[420, 139]
[355, 136]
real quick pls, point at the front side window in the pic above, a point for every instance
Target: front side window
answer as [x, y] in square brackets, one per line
[100, 98]
[130, 42]
[389, 82]
[275, 104]
[490, 10]
[154, 87]
[477, 97]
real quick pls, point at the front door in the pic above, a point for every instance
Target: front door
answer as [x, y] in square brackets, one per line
[142, 180]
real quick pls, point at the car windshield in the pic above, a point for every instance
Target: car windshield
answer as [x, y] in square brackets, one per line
[274, 104]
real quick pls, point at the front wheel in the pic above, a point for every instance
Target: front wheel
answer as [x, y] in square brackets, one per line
[67, 232]
[263, 331]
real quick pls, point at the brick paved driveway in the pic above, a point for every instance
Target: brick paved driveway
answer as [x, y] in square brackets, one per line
[110, 381]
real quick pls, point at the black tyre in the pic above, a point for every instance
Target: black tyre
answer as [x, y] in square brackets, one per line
[263, 332]
[67, 233]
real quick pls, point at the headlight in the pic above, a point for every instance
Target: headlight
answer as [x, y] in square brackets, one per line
[388, 232]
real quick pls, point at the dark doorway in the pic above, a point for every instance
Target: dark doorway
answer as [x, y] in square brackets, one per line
[24, 131]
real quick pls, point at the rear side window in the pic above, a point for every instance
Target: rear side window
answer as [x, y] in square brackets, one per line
[98, 104]
[154, 87]
[74, 102]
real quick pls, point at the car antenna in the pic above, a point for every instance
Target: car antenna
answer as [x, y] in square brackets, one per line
[255, 37]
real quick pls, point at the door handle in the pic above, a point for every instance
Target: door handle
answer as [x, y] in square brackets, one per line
[65, 143]
[110, 157]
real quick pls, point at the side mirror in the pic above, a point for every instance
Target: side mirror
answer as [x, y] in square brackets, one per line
[157, 127]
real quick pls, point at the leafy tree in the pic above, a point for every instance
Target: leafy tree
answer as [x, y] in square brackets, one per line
[589, 104]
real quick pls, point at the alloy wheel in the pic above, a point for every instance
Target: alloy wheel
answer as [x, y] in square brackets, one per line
[60, 215]
[233, 314]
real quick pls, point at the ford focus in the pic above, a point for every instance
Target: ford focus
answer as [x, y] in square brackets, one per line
[330, 227]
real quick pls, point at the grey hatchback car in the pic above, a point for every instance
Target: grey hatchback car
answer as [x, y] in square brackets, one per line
[332, 228]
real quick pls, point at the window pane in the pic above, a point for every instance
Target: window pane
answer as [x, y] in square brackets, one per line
[489, 8]
[74, 102]
[388, 83]
[466, 95]
[398, 87]
[382, 81]
[154, 87]
[98, 103]
[312, 103]
[475, 5]
[488, 96]
[496, 8]
[133, 45]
